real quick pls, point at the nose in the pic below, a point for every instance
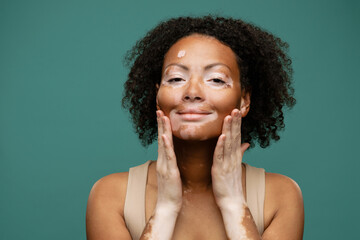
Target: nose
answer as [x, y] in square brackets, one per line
[194, 90]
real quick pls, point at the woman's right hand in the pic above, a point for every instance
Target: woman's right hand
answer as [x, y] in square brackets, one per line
[169, 193]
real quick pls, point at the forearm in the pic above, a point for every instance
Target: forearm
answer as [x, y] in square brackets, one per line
[161, 225]
[238, 221]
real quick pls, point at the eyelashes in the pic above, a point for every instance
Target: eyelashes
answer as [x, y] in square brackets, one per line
[173, 80]
[217, 81]
[214, 80]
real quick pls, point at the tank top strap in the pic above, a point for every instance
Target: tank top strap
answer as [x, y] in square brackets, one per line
[255, 194]
[134, 207]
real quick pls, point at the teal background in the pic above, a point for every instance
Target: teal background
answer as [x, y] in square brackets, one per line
[62, 126]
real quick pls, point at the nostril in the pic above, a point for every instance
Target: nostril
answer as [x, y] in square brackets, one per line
[191, 98]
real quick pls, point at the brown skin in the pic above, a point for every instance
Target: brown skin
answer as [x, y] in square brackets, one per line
[200, 216]
[283, 210]
[197, 87]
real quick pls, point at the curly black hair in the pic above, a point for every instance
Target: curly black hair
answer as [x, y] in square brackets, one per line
[265, 72]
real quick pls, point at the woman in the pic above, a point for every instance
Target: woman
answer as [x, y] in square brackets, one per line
[216, 85]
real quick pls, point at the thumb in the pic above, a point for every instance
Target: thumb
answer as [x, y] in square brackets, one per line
[244, 147]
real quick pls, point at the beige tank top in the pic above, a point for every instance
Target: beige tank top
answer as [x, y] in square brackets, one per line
[134, 208]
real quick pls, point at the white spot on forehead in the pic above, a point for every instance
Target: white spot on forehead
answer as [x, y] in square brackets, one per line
[181, 53]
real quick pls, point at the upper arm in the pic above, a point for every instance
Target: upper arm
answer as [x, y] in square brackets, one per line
[288, 220]
[104, 214]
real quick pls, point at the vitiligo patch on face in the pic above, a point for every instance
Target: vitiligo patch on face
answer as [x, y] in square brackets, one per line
[186, 129]
[181, 53]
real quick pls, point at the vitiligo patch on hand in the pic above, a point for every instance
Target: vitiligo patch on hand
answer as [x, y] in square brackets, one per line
[181, 53]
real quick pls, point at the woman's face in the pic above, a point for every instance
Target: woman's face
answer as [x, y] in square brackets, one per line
[200, 86]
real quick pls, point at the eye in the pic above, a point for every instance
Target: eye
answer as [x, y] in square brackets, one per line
[175, 80]
[217, 81]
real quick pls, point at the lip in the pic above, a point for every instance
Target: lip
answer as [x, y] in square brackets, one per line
[193, 111]
[193, 114]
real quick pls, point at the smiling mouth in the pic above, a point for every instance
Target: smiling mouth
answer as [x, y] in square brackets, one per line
[193, 116]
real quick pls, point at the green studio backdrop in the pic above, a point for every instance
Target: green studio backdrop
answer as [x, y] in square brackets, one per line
[62, 126]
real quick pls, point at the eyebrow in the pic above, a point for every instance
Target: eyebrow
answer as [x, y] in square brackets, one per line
[206, 67]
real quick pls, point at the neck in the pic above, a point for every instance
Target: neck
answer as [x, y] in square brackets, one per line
[194, 159]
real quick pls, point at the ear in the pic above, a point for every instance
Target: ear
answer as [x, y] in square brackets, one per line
[157, 102]
[245, 103]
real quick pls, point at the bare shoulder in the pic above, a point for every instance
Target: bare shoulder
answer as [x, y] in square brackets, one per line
[283, 188]
[284, 208]
[111, 187]
[282, 184]
[105, 208]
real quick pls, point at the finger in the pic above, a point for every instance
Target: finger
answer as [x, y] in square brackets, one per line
[162, 123]
[161, 154]
[244, 147]
[239, 127]
[168, 135]
[219, 150]
[168, 130]
[235, 130]
[159, 115]
[238, 123]
[223, 130]
[227, 143]
[169, 152]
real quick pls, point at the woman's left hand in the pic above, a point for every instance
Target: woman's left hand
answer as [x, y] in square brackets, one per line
[226, 171]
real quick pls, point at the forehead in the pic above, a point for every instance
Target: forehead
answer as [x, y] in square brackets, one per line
[198, 51]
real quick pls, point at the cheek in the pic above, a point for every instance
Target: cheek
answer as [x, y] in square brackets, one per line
[221, 102]
[224, 103]
[175, 122]
[167, 100]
